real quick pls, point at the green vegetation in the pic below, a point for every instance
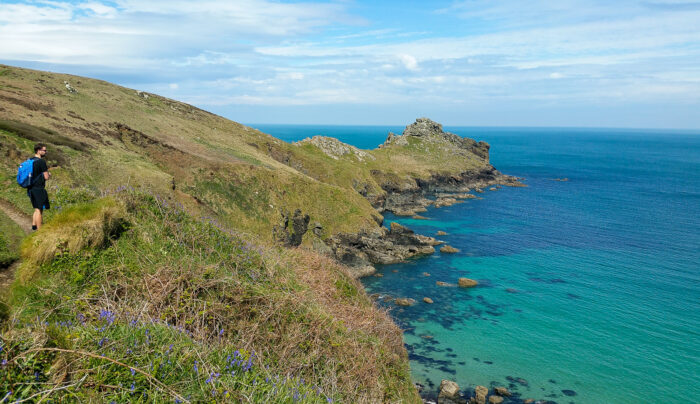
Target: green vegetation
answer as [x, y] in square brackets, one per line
[156, 261]
[131, 281]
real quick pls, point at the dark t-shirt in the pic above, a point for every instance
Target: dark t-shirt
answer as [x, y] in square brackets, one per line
[38, 173]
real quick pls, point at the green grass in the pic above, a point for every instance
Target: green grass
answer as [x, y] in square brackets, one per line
[135, 279]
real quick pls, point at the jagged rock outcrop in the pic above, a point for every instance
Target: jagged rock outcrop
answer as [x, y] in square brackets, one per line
[379, 246]
[334, 148]
[291, 230]
[407, 196]
[431, 130]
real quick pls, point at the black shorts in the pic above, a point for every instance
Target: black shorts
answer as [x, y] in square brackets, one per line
[39, 198]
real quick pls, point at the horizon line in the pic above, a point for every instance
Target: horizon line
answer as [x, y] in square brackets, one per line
[624, 128]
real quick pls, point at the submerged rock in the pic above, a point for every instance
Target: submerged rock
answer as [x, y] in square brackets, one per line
[404, 301]
[441, 233]
[502, 391]
[495, 400]
[440, 283]
[467, 283]
[428, 300]
[448, 249]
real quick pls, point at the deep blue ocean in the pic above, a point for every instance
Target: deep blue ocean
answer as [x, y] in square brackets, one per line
[589, 288]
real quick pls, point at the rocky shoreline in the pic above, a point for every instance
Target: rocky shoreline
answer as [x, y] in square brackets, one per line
[411, 196]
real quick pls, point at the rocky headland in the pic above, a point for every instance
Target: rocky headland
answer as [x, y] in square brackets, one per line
[404, 192]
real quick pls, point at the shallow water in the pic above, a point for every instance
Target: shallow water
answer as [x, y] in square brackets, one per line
[589, 288]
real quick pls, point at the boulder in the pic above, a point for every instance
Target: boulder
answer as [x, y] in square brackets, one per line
[467, 283]
[449, 392]
[379, 275]
[426, 274]
[448, 249]
[419, 217]
[441, 233]
[495, 400]
[480, 393]
[428, 300]
[502, 391]
[493, 189]
[404, 301]
[439, 283]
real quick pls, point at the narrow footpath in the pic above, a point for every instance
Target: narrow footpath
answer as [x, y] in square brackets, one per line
[25, 223]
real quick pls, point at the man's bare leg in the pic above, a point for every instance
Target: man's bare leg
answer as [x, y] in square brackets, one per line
[36, 218]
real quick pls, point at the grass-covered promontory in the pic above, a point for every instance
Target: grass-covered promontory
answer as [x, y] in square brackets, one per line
[156, 277]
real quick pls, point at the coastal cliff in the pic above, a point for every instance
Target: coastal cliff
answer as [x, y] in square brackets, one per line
[168, 226]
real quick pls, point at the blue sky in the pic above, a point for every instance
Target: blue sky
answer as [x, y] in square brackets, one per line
[465, 62]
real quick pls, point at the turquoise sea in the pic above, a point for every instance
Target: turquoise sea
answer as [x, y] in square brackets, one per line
[589, 288]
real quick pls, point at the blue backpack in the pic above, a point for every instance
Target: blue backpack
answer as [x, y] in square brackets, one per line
[24, 173]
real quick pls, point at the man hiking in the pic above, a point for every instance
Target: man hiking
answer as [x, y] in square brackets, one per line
[37, 190]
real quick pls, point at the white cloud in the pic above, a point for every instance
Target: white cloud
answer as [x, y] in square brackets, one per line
[409, 62]
[267, 52]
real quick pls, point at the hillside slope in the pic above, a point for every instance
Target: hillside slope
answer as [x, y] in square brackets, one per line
[165, 234]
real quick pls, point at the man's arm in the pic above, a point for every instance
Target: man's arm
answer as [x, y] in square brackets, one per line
[45, 169]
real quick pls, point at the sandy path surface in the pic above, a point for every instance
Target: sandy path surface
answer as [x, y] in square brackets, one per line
[25, 222]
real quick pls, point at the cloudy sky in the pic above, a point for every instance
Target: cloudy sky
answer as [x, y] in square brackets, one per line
[601, 63]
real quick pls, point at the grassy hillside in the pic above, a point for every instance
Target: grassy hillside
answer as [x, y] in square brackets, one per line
[155, 277]
[102, 136]
[129, 298]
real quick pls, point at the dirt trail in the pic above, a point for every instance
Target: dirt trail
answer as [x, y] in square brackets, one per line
[25, 223]
[23, 220]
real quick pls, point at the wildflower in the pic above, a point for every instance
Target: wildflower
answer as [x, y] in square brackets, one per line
[133, 387]
[196, 369]
[133, 372]
[4, 362]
